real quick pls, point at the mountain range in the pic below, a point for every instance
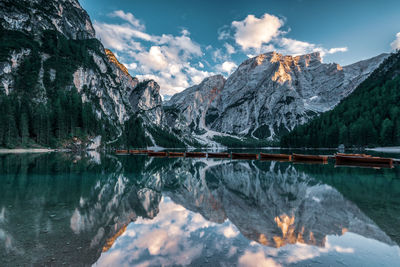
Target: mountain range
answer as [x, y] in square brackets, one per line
[59, 85]
[266, 96]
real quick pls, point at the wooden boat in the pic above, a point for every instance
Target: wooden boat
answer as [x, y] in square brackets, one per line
[267, 156]
[157, 154]
[244, 156]
[121, 152]
[365, 160]
[353, 155]
[309, 158]
[195, 154]
[176, 154]
[219, 155]
[145, 151]
[133, 151]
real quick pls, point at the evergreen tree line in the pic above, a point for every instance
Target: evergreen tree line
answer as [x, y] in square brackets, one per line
[46, 115]
[24, 123]
[370, 116]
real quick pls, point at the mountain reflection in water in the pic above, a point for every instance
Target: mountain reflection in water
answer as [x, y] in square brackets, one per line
[133, 210]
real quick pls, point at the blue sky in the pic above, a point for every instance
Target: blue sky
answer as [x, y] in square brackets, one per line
[180, 42]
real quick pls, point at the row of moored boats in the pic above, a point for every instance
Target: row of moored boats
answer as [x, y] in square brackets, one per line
[341, 159]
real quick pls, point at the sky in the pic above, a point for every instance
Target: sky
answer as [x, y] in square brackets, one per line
[178, 43]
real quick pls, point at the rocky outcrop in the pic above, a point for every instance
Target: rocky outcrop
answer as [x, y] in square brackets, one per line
[98, 76]
[271, 93]
[33, 16]
[187, 111]
[146, 99]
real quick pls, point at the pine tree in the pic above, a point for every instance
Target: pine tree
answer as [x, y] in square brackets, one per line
[24, 128]
[387, 132]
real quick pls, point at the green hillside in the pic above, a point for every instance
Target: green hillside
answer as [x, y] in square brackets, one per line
[370, 116]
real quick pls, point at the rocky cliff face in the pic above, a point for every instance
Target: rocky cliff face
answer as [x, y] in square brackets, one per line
[187, 111]
[33, 16]
[269, 94]
[98, 76]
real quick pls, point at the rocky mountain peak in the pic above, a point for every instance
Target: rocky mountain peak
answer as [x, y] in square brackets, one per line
[146, 99]
[33, 16]
[267, 95]
[115, 61]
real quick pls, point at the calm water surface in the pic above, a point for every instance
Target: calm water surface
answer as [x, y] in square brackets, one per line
[107, 210]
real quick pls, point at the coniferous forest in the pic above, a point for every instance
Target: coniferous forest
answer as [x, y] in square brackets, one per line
[370, 116]
[53, 113]
[31, 116]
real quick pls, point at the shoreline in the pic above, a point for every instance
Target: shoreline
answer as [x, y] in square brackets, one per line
[27, 150]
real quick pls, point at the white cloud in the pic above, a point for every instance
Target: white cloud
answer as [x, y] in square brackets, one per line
[224, 33]
[264, 34]
[396, 43]
[165, 58]
[152, 60]
[227, 67]
[337, 49]
[129, 17]
[229, 48]
[252, 32]
[296, 47]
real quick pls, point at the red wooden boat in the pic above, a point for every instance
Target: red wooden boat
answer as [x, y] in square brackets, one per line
[121, 152]
[244, 156]
[176, 154]
[365, 160]
[219, 155]
[310, 158]
[353, 155]
[157, 154]
[267, 156]
[145, 151]
[195, 154]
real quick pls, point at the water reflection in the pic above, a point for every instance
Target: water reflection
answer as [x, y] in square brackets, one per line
[61, 209]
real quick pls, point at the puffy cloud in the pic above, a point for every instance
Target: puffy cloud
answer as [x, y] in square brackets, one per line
[337, 49]
[152, 60]
[120, 37]
[224, 33]
[129, 17]
[165, 58]
[396, 43]
[264, 34]
[227, 67]
[295, 47]
[229, 48]
[252, 32]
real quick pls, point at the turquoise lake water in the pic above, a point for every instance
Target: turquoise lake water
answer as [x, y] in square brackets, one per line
[107, 210]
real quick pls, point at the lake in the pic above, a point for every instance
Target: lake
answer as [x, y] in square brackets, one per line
[107, 210]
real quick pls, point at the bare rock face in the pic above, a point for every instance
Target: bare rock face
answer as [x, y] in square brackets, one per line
[31, 16]
[146, 99]
[104, 82]
[270, 94]
[187, 110]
